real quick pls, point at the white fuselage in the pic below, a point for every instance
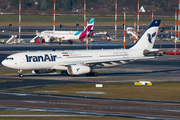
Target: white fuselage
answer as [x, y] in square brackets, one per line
[62, 35]
[66, 35]
[58, 59]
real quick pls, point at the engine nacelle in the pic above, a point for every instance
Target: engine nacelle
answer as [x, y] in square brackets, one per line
[47, 38]
[78, 69]
[42, 71]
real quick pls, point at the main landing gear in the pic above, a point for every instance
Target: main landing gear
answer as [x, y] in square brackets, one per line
[92, 74]
[20, 73]
[70, 41]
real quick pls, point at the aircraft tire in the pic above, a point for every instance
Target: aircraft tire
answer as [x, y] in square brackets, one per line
[20, 75]
[70, 41]
[92, 74]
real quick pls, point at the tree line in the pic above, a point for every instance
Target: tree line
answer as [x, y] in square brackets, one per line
[95, 6]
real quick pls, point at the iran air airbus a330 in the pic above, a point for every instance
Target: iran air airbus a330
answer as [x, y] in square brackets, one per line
[48, 35]
[84, 61]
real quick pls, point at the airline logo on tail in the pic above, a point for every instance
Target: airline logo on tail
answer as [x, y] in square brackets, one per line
[147, 40]
[89, 27]
[151, 36]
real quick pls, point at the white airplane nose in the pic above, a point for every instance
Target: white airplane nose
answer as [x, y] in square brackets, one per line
[3, 62]
[8, 63]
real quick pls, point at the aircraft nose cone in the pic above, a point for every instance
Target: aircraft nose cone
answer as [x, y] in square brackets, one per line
[3, 62]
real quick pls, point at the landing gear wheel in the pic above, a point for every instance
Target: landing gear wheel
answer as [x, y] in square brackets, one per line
[20, 73]
[70, 41]
[92, 74]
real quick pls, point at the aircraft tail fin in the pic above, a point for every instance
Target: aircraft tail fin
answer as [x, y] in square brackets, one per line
[147, 40]
[89, 26]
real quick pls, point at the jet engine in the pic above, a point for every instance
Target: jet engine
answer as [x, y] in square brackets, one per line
[47, 38]
[78, 69]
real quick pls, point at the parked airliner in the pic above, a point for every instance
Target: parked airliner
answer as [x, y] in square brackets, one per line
[65, 35]
[84, 61]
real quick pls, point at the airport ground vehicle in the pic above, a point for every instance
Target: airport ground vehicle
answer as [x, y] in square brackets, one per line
[174, 52]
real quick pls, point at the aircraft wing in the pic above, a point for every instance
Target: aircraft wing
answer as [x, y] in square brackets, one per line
[103, 61]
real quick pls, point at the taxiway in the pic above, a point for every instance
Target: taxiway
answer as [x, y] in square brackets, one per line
[165, 68]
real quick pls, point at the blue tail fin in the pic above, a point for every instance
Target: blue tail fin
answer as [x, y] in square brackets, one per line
[148, 38]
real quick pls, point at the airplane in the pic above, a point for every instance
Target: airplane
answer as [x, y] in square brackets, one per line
[49, 36]
[80, 62]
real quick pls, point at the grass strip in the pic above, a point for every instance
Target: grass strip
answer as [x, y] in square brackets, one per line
[14, 72]
[11, 112]
[39, 20]
[167, 91]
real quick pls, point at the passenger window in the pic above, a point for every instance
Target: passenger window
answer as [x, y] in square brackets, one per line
[9, 58]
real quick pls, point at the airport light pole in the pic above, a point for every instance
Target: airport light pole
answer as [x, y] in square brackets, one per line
[124, 27]
[115, 19]
[138, 21]
[152, 14]
[19, 19]
[171, 30]
[134, 29]
[175, 27]
[54, 15]
[87, 37]
[179, 20]
[84, 14]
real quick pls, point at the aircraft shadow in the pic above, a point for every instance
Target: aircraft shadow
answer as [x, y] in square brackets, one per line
[138, 73]
[153, 73]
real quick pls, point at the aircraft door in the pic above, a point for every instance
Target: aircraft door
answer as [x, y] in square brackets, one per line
[97, 56]
[22, 59]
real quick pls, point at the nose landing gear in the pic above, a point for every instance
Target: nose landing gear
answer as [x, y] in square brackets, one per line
[20, 73]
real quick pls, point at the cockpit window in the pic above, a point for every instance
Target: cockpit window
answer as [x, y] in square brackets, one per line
[9, 58]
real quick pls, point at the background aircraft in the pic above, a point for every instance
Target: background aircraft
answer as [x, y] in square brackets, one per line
[49, 36]
[84, 61]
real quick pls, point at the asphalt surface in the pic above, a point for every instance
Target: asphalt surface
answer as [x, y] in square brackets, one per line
[165, 68]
